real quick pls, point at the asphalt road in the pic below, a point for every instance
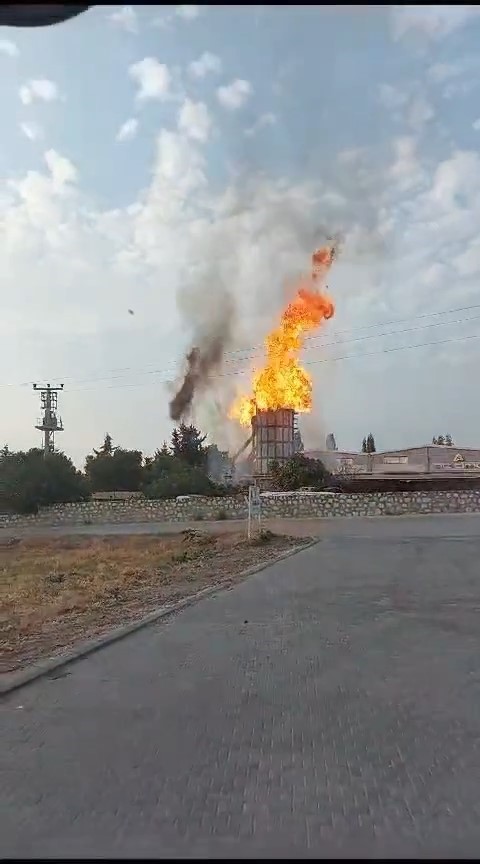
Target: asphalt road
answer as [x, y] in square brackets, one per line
[395, 527]
[327, 706]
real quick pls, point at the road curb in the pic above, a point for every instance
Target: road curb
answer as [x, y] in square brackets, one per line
[14, 680]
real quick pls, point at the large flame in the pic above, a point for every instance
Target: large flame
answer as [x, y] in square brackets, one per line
[283, 382]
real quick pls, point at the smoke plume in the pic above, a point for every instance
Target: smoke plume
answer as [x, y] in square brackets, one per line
[201, 362]
[212, 315]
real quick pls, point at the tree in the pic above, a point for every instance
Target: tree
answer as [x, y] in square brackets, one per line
[113, 469]
[166, 476]
[30, 479]
[370, 444]
[187, 445]
[364, 446]
[440, 440]
[330, 442]
[299, 471]
[107, 448]
[448, 440]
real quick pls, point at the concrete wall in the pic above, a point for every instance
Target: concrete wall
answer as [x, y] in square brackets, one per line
[308, 504]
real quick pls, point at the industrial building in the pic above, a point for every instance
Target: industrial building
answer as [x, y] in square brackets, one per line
[433, 460]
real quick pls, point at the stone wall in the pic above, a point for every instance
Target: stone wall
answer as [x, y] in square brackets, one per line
[296, 505]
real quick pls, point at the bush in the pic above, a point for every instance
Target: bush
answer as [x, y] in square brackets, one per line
[300, 471]
[179, 479]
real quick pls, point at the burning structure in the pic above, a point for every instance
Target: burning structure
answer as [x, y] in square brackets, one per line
[282, 387]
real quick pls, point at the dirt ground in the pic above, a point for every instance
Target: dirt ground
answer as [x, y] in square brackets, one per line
[57, 591]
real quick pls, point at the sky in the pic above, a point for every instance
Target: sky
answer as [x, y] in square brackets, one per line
[182, 162]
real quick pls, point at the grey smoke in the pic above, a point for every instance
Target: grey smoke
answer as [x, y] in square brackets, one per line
[208, 311]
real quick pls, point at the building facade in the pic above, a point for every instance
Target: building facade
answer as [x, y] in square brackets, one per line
[434, 459]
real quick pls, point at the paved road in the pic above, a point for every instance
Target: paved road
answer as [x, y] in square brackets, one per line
[395, 527]
[328, 706]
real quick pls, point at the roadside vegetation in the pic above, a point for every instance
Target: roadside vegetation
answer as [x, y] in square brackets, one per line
[30, 479]
[57, 591]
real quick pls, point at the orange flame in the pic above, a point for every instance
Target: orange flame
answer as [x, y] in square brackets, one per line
[283, 382]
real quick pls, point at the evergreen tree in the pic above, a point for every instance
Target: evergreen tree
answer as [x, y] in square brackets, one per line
[107, 448]
[187, 444]
[113, 469]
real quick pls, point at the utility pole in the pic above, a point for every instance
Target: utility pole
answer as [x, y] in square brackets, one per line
[49, 423]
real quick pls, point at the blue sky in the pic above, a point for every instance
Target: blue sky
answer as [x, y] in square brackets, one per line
[181, 161]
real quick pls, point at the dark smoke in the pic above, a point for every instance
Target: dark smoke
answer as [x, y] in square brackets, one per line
[201, 362]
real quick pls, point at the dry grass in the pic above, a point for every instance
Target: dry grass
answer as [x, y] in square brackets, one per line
[55, 591]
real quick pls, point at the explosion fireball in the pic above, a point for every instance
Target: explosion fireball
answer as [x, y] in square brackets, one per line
[283, 382]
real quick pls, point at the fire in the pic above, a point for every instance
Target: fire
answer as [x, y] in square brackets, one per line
[283, 382]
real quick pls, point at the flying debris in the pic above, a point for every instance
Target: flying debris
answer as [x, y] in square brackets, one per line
[131, 312]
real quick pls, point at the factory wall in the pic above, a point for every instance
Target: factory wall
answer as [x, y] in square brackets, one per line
[432, 459]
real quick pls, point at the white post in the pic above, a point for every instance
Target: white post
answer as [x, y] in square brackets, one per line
[249, 527]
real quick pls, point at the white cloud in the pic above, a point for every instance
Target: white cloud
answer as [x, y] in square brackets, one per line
[420, 112]
[432, 22]
[391, 97]
[406, 106]
[38, 88]
[405, 170]
[61, 169]
[8, 47]
[194, 120]
[125, 18]
[264, 120]
[206, 63]
[438, 73]
[127, 130]
[152, 78]
[233, 96]
[32, 131]
[188, 12]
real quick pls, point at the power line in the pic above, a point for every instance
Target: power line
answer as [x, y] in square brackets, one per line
[126, 370]
[325, 345]
[307, 363]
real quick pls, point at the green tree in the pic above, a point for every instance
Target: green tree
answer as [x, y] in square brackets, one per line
[440, 439]
[30, 479]
[370, 443]
[364, 446]
[188, 445]
[113, 469]
[166, 476]
[299, 471]
[107, 448]
[449, 440]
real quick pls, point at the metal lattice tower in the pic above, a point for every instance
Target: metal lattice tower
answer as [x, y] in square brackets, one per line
[49, 423]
